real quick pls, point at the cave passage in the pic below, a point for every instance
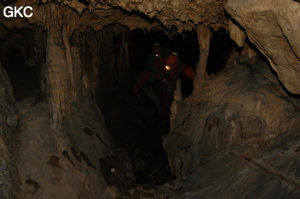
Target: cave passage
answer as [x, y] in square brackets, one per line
[220, 47]
[24, 78]
[135, 121]
[185, 45]
[72, 126]
[20, 66]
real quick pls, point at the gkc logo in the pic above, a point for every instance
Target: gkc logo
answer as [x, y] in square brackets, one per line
[14, 11]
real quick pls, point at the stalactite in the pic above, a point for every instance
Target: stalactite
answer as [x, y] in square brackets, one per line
[203, 34]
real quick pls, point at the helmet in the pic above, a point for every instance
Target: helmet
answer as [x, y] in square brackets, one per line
[172, 61]
[156, 50]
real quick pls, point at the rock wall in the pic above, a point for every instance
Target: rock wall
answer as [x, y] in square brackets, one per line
[274, 28]
[9, 178]
[62, 160]
[164, 15]
[242, 113]
[60, 142]
[170, 13]
[56, 150]
[97, 60]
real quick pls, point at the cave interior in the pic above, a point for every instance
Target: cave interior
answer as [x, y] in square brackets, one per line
[72, 128]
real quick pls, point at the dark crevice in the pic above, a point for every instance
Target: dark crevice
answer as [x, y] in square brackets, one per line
[23, 78]
[135, 121]
[220, 48]
[19, 63]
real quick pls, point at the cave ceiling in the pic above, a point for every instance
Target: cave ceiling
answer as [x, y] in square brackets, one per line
[154, 14]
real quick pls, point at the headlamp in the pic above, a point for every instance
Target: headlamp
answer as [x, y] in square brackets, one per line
[156, 55]
[168, 67]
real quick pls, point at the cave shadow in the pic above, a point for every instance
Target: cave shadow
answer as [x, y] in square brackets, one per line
[138, 125]
[24, 78]
[135, 122]
[220, 48]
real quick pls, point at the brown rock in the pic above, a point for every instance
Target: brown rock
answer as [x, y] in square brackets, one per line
[273, 26]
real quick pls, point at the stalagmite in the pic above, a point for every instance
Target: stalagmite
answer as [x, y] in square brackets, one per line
[176, 105]
[58, 78]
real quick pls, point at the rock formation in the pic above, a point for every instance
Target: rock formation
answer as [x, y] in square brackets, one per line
[235, 128]
[240, 126]
[272, 26]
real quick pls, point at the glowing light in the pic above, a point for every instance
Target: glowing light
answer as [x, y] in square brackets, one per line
[167, 67]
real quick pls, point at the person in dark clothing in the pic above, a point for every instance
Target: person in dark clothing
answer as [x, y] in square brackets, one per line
[174, 69]
[154, 69]
[163, 69]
